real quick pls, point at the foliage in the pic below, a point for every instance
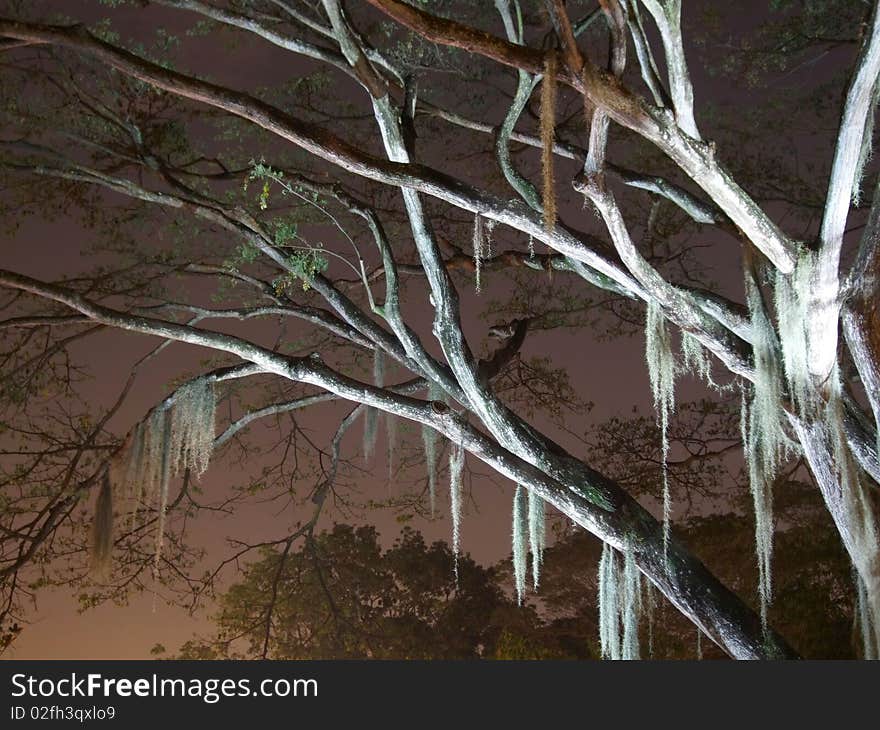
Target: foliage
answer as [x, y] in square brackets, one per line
[342, 596]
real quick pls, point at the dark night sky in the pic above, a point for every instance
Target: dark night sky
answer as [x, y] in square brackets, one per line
[611, 374]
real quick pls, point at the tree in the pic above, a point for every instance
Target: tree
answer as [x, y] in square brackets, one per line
[341, 596]
[94, 119]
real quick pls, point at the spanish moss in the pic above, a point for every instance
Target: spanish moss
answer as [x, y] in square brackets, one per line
[456, 468]
[764, 440]
[661, 372]
[858, 506]
[520, 538]
[548, 139]
[649, 601]
[164, 478]
[134, 473]
[102, 528]
[620, 604]
[155, 454]
[150, 465]
[489, 228]
[609, 591]
[478, 244]
[762, 502]
[537, 534]
[791, 294]
[696, 360]
[192, 427]
[632, 606]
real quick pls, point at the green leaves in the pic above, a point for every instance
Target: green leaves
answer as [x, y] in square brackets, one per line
[284, 231]
[304, 266]
[306, 261]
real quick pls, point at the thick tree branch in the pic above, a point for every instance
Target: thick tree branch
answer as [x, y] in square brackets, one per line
[657, 125]
[620, 522]
[667, 16]
[845, 170]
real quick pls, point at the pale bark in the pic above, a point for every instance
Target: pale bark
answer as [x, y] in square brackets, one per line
[510, 445]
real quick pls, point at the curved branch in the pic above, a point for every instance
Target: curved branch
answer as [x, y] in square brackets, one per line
[845, 169]
[656, 125]
[590, 499]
